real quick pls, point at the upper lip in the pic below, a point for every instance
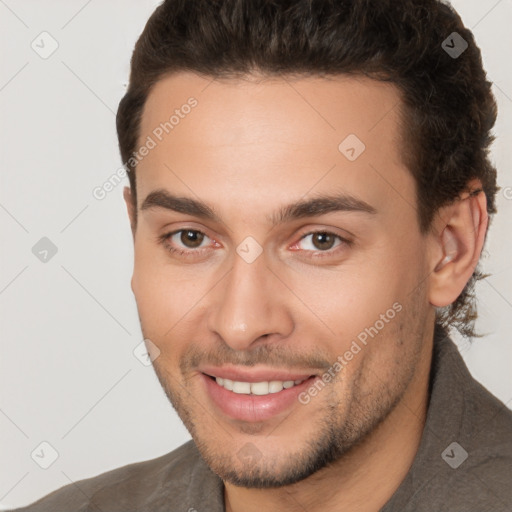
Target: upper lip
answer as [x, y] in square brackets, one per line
[240, 374]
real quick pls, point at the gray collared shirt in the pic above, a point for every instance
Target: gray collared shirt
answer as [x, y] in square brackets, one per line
[463, 464]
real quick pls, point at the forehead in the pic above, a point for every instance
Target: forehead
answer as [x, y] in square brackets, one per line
[335, 104]
[274, 137]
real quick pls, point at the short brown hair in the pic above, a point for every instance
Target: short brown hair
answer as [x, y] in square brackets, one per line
[448, 106]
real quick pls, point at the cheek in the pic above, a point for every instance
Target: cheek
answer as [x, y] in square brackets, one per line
[348, 300]
[361, 307]
[157, 296]
[169, 299]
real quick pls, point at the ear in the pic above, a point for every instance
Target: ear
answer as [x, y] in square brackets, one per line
[457, 239]
[128, 199]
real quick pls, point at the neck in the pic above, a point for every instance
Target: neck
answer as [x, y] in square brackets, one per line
[365, 478]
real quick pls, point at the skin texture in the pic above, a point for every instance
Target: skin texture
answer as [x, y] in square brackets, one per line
[250, 147]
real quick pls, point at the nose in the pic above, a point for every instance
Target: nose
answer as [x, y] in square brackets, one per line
[250, 304]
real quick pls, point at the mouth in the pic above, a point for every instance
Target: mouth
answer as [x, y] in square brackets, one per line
[255, 396]
[261, 388]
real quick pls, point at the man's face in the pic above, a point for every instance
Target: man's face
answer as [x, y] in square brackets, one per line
[244, 290]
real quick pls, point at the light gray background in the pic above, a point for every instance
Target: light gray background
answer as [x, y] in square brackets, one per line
[69, 326]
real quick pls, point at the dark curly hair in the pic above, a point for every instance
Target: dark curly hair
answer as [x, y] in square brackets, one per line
[448, 107]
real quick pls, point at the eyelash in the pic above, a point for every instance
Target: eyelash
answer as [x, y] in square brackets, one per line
[164, 239]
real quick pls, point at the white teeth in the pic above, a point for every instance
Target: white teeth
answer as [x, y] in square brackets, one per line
[243, 388]
[256, 388]
[274, 386]
[226, 383]
[259, 388]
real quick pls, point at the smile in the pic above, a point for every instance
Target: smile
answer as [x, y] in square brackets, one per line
[257, 388]
[237, 395]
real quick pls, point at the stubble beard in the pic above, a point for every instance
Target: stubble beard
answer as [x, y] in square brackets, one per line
[339, 431]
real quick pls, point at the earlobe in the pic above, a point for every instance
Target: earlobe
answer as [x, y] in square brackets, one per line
[462, 227]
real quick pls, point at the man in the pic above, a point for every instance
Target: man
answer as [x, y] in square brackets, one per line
[309, 197]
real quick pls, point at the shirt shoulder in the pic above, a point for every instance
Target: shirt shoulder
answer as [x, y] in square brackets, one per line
[159, 484]
[484, 452]
[468, 470]
[464, 462]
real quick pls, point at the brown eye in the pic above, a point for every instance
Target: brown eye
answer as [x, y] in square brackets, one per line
[318, 242]
[191, 239]
[323, 241]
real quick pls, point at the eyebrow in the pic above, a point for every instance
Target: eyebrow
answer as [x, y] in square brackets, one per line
[319, 205]
[187, 205]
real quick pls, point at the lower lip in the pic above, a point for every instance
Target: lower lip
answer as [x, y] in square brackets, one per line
[253, 408]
